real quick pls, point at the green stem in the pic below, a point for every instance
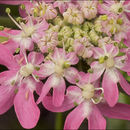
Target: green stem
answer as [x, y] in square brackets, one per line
[58, 121]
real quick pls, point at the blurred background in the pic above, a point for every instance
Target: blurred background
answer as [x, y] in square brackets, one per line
[48, 120]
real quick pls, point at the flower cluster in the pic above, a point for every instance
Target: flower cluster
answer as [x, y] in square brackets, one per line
[72, 54]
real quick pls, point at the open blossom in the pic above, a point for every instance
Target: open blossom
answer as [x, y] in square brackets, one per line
[88, 103]
[17, 86]
[114, 7]
[89, 9]
[109, 62]
[58, 67]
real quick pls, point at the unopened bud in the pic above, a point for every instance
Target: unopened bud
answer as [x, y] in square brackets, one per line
[7, 10]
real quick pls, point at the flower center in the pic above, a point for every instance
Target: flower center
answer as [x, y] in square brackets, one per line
[26, 70]
[117, 8]
[88, 91]
[110, 62]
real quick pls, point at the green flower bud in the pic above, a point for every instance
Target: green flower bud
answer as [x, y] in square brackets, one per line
[22, 6]
[1, 28]
[66, 64]
[101, 60]
[7, 10]
[87, 26]
[17, 50]
[94, 37]
[58, 21]
[103, 17]
[66, 32]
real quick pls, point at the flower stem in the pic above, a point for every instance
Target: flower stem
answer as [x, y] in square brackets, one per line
[58, 121]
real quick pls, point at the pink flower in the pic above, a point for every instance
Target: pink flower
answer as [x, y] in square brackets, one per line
[112, 7]
[18, 84]
[57, 68]
[82, 98]
[111, 64]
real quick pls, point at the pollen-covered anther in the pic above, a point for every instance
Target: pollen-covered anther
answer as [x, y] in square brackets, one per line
[26, 70]
[88, 91]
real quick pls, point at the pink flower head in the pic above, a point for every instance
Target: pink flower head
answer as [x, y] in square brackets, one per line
[57, 68]
[88, 103]
[111, 64]
[18, 84]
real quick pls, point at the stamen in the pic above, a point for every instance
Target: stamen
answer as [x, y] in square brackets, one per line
[8, 12]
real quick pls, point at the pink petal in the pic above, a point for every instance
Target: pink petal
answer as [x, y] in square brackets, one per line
[74, 119]
[124, 84]
[7, 94]
[98, 52]
[35, 58]
[110, 89]
[11, 2]
[72, 58]
[46, 88]
[71, 74]
[98, 70]
[26, 109]
[6, 76]
[96, 120]
[111, 49]
[6, 58]
[58, 93]
[66, 105]
[47, 69]
[119, 111]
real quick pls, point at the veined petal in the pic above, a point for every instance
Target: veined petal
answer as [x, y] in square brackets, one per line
[124, 84]
[58, 93]
[7, 94]
[96, 120]
[75, 118]
[119, 111]
[26, 109]
[98, 52]
[71, 74]
[35, 58]
[110, 88]
[6, 58]
[72, 58]
[47, 69]
[66, 105]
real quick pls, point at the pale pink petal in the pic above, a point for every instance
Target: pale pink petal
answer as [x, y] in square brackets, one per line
[58, 54]
[7, 94]
[35, 58]
[98, 70]
[26, 109]
[11, 2]
[98, 52]
[124, 84]
[7, 59]
[111, 49]
[66, 105]
[71, 74]
[119, 111]
[96, 120]
[75, 118]
[47, 69]
[6, 76]
[110, 89]
[58, 93]
[72, 58]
